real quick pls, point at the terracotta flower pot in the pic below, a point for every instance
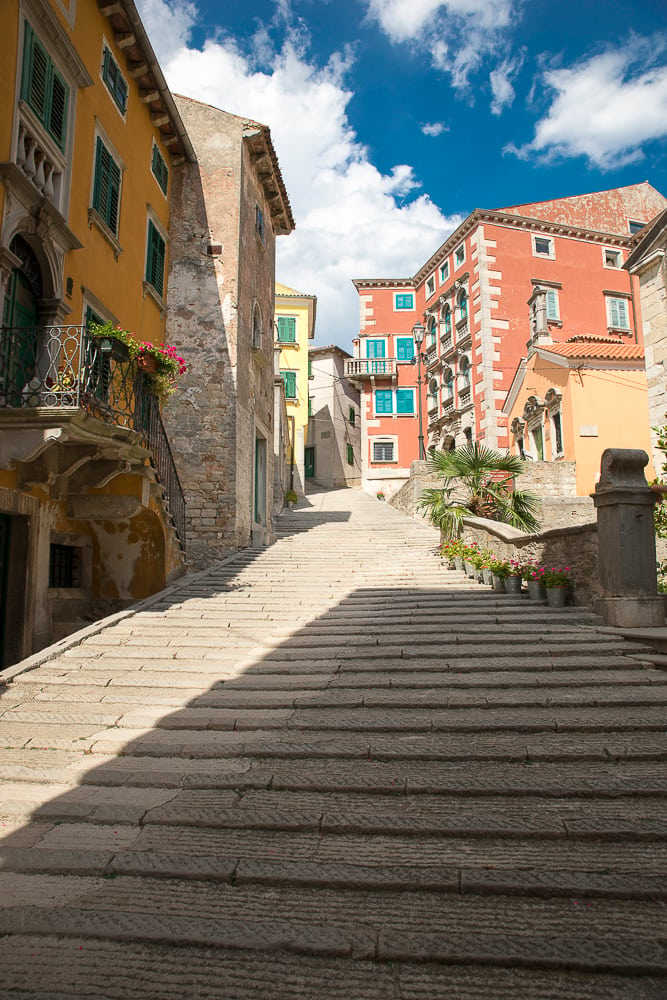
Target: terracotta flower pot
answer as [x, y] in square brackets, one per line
[147, 363]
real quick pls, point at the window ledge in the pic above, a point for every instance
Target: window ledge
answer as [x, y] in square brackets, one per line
[95, 219]
[555, 322]
[155, 295]
[293, 402]
[287, 343]
[619, 330]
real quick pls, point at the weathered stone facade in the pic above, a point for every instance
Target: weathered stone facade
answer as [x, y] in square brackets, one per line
[227, 210]
[334, 426]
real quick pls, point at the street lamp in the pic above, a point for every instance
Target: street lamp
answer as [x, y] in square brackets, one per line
[418, 331]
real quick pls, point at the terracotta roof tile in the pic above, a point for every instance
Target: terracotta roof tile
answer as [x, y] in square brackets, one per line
[599, 350]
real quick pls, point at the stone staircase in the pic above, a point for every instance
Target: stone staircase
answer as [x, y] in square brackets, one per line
[332, 769]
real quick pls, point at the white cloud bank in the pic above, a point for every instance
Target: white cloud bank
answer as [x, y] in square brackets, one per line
[352, 221]
[459, 35]
[604, 107]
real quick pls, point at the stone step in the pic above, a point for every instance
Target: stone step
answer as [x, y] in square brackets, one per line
[61, 969]
[262, 921]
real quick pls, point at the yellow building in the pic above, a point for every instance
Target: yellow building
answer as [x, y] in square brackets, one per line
[295, 327]
[90, 504]
[570, 401]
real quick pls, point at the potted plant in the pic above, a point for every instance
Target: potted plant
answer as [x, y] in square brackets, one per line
[380, 495]
[534, 577]
[469, 560]
[514, 577]
[500, 569]
[557, 582]
[486, 559]
[160, 364]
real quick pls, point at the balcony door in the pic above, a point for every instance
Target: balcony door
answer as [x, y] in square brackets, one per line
[20, 319]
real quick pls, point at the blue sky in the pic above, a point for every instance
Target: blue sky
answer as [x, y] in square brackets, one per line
[393, 119]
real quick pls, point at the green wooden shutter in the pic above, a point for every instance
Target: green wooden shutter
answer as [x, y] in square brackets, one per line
[160, 169]
[552, 304]
[384, 401]
[43, 88]
[350, 455]
[405, 401]
[375, 349]
[106, 190]
[289, 380]
[286, 330]
[155, 258]
[405, 348]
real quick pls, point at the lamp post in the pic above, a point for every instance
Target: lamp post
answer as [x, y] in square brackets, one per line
[418, 331]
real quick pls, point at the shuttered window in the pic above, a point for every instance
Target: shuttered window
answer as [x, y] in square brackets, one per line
[155, 258]
[375, 348]
[286, 330]
[289, 380]
[384, 402]
[618, 313]
[106, 189]
[43, 88]
[114, 79]
[405, 401]
[160, 169]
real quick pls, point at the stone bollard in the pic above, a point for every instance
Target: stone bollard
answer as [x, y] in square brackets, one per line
[626, 541]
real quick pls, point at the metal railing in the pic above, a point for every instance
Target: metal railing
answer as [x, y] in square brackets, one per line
[63, 367]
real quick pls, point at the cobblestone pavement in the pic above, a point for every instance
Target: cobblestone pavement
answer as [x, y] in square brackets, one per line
[333, 769]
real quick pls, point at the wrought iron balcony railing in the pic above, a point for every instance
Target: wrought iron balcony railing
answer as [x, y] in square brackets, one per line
[366, 367]
[63, 367]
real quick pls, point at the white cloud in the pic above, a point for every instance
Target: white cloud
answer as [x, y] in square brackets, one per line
[501, 83]
[604, 108]
[352, 221]
[434, 128]
[458, 34]
[168, 25]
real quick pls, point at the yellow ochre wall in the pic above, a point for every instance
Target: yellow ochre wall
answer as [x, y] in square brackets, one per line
[115, 280]
[614, 401]
[294, 357]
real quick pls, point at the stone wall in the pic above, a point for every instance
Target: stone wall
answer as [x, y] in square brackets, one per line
[550, 479]
[575, 546]
[219, 272]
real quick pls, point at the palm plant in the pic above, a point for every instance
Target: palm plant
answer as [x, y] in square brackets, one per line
[478, 481]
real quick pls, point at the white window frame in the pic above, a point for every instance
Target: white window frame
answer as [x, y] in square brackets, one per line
[551, 255]
[386, 348]
[444, 271]
[554, 293]
[609, 299]
[429, 287]
[391, 439]
[619, 257]
[552, 421]
[460, 250]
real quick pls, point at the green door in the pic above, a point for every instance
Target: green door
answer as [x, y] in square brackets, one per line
[309, 462]
[20, 317]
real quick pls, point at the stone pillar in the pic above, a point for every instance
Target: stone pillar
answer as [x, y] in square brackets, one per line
[626, 541]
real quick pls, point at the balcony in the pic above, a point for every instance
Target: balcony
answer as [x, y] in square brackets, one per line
[432, 358]
[361, 368]
[62, 389]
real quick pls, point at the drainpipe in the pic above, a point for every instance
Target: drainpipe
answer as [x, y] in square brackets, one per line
[634, 309]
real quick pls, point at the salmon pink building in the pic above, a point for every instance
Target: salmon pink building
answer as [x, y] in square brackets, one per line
[505, 279]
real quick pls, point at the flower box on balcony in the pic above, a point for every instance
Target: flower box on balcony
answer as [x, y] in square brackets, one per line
[115, 349]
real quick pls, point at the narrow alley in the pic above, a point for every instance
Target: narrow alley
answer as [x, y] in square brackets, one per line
[333, 769]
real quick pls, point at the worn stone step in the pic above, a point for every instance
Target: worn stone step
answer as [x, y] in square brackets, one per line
[531, 945]
[61, 969]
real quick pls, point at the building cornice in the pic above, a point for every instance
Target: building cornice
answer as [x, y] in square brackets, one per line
[511, 221]
[265, 163]
[382, 283]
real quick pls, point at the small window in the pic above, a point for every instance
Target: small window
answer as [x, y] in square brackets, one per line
[617, 314]
[405, 348]
[114, 79]
[383, 451]
[444, 272]
[64, 566]
[405, 400]
[257, 328]
[543, 246]
[286, 330]
[351, 416]
[447, 321]
[106, 187]
[538, 442]
[459, 255]
[431, 333]
[155, 258]
[289, 381]
[612, 258]
[384, 401]
[160, 169]
[43, 88]
[634, 227]
[430, 287]
[375, 349]
[404, 300]
[350, 455]
[558, 434]
[259, 224]
[463, 306]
